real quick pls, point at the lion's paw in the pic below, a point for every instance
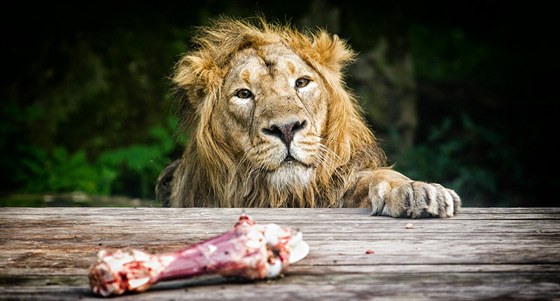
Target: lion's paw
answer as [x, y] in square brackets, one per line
[413, 199]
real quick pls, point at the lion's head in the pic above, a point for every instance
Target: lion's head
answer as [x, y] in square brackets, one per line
[270, 121]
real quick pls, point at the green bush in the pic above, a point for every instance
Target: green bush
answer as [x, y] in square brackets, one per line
[139, 165]
[464, 156]
[130, 170]
[60, 171]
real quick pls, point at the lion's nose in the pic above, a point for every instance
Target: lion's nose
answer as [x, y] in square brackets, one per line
[285, 131]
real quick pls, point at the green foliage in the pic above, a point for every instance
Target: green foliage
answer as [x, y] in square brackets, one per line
[85, 109]
[139, 165]
[112, 172]
[60, 171]
[446, 54]
[464, 157]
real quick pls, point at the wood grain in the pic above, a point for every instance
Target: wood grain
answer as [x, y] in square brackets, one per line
[481, 254]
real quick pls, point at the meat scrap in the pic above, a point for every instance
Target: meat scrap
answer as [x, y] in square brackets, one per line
[251, 251]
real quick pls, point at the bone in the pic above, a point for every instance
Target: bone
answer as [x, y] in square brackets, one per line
[251, 251]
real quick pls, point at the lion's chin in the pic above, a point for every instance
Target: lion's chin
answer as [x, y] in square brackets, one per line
[290, 175]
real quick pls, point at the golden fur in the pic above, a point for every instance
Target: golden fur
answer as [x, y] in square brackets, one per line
[271, 123]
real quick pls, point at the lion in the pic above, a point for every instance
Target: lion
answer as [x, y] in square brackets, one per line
[271, 123]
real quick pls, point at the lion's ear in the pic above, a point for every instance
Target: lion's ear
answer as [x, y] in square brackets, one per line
[198, 75]
[332, 52]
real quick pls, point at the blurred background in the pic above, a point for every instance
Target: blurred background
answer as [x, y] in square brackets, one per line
[464, 93]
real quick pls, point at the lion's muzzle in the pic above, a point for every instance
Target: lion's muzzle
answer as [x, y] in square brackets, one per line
[285, 131]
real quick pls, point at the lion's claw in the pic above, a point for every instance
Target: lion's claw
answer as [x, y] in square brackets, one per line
[414, 199]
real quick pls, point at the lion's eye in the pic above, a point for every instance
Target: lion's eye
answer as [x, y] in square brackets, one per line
[301, 82]
[244, 93]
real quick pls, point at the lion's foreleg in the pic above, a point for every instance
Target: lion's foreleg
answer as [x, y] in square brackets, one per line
[391, 193]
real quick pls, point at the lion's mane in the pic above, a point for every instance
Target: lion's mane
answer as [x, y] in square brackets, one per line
[208, 174]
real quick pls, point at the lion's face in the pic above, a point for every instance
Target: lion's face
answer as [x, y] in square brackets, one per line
[272, 112]
[270, 120]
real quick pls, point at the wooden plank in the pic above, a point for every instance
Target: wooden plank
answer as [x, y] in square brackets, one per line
[78, 275]
[483, 253]
[331, 213]
[258, 215]
[49, 273]
[152, 237]
[219, 222]
[321, 254]
[432, 286]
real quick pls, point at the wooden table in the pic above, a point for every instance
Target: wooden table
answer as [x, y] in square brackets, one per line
[481, 254]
